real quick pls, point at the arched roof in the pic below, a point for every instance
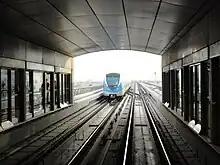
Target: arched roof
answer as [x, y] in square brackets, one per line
[76, 27]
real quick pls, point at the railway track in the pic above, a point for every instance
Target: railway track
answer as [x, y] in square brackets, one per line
[174, 149]
[130, 131]
[108, 139]
[32, 149]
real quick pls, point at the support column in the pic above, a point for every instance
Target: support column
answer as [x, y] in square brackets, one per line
[172, 89]
[186, 92]
[31, 92]
[191, 98]
[44, 92]
[204, 97]
[68, 78]
[196, 94]
[9, 117]
[58, 90]
[215, 115]
[71, 87]
[163, 87]
[62, 98]
[22, 95]
[168, 87]
[52, 91]
[0, 98]
[182, 92]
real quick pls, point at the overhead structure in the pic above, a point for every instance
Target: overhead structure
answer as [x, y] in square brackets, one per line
[76, 27]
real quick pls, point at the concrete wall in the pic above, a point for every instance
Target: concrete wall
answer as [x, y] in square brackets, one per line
[199, 43]
[21, 51]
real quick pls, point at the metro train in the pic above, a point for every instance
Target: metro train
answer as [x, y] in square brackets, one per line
[113, 86]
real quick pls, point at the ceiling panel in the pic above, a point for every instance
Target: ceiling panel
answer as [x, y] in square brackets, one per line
[72, 7]
[112, 21]
[140, 22]
[94, 31]
[141, 8]
[85, 21]
[157, 43]
[93, 49]
[105, 45]
[107, 7]
[116, 31]
[31, 7]
[138, 47]
[162, 35]
[186, 3]
[174, 13]
[139, 37]
[97, 38]
[119, 37]
[153, 50]
[166, 27]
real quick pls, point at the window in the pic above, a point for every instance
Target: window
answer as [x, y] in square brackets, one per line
[57, 89]
[47, 91]
[179, 91]
[4, 95]
[195, 93]
[14, 96]
[198, 93]
[38, 93]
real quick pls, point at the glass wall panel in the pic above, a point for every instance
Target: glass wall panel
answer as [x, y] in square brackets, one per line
[4, 95]
[14, 96]
[56, 82]
[67, 88]
[179, 91]
[61, 89]
[47, 92]
[64, 86]
[198, 92]
[28, 107]
[38, 93]
[194, 94]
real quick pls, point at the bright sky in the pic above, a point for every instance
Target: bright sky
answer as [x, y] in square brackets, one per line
[132, 65]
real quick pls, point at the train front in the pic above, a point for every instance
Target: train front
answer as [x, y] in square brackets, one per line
[112, 86]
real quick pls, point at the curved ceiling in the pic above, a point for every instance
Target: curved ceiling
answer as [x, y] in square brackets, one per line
[76, 27]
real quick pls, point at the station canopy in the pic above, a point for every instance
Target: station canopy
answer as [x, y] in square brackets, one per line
[76, 27]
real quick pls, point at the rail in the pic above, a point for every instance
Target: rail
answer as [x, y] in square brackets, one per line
[164, 152]
[129, 130]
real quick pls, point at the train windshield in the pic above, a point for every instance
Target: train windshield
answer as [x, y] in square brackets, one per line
[112, 79]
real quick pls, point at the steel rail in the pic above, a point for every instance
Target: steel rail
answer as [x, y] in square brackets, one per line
[17, 147]
[95, 132]
[167, 159]
[129, 128]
